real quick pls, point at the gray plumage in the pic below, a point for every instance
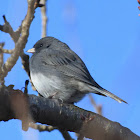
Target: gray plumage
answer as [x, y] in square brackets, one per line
[57, 72]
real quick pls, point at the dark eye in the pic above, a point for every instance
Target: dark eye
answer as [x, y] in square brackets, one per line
[41, 45]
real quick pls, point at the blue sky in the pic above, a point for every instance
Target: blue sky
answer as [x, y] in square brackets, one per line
[105, 34]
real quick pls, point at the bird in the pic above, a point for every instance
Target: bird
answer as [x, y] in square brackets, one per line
[57, 72]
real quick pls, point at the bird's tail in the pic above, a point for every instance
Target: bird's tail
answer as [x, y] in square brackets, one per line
[107, 93]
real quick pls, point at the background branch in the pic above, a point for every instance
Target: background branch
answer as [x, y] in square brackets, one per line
[98, 108]
[44, 18]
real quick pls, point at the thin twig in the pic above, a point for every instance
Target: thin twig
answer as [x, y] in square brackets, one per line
[44, 18]
[1, 62]
[8, 29]
[7, 51]
[1, 56]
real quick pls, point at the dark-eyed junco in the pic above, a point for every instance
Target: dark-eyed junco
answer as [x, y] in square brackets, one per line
[59, 73]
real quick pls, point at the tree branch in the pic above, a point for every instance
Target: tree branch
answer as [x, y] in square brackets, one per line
[20, 36]
[20, 44]
[20, 41]
[69, 117]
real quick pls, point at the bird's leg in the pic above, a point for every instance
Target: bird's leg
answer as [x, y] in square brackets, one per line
[52, 96]
[55, 99]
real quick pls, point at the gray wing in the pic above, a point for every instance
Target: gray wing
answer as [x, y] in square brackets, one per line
[68, 63]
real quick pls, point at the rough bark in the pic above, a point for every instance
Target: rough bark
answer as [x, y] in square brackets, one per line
[16, 105]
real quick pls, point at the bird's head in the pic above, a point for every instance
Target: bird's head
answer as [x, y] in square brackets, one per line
[46, 43]
[41, 44]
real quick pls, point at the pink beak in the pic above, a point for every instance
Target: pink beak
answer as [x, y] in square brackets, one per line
[31, 50]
